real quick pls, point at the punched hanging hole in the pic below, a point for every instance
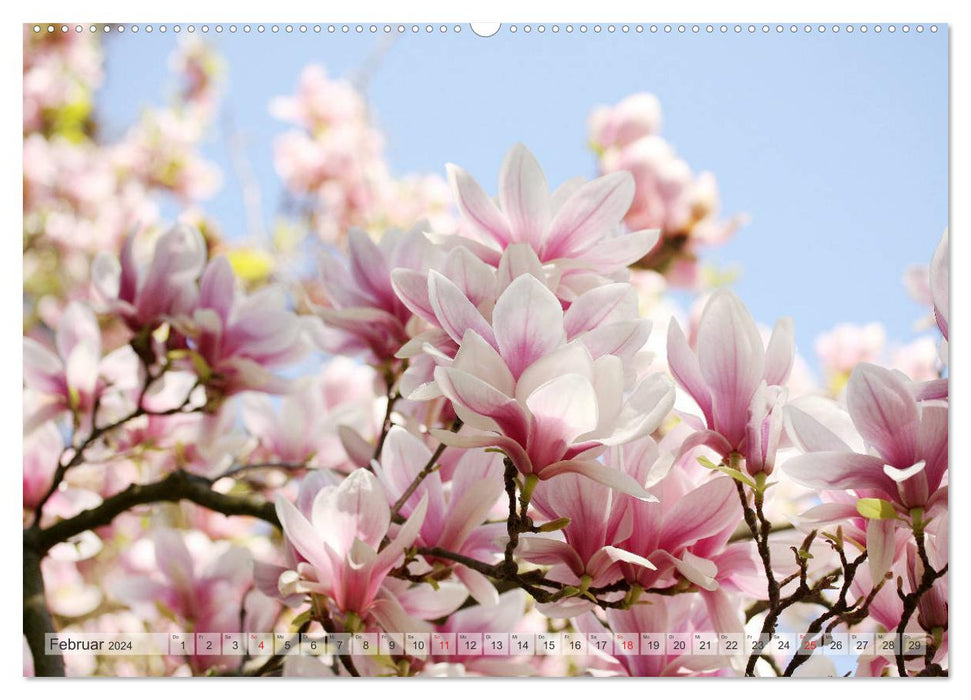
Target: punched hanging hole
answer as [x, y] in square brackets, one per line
[485, 29]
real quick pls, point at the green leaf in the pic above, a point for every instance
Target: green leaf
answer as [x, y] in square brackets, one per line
[734, 473]
[554, 525]
[876, 509]
[305, 616]
[737, 475]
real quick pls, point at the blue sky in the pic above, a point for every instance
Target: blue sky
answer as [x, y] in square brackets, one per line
[835, 145]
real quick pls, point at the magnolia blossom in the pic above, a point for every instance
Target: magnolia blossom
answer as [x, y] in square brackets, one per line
[455, 511]
[632, 118]
[162, 151]
[464, 295]
[599, 519]
[312, 422]
[60, 71]
[668, 195]
[897, 448]
[547, 403]
[576, 227]
[74, 376]
[199, 583]
[735, 379]
[339, 538]
[686, 532]
[241, 337]
[42, 450]
[144, 298]
[846, 346]
[365, 316]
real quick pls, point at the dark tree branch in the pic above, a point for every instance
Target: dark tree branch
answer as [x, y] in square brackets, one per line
[37, 542]
[177, 486]
[912, 600]
[37, 619]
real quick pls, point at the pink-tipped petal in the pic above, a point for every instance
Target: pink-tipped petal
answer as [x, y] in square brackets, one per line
[477, 207]
[732, 361]
[880, 546]
[701, 513]
[479, 358]
[304, 538]
[511, 448]
[683, 364]
[885, 412]
[480, 587]
[473, 399]
[816, 424]
[528, 322]
[476, 279]
[616, 253]
[645, 409]
[562, 409]
[933, 443]
[780, 353]
[608, 476]
[412, 289]
[593, 210]
[453, 310]
[609, 303]
[840, 471]
[524, 196]
[517, 260]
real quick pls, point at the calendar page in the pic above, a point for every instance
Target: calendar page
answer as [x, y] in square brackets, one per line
[485, 350]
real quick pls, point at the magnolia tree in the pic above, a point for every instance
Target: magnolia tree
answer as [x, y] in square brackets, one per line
[492, 420]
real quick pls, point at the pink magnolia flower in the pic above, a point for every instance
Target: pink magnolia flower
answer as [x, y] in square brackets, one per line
[662, 183]
[339, 538]
[667, 196]
[42, 450]
[456, 510]
[60, 73]
[685, 534]
[167, 288]
[630, 119]
[734, 379]
[240, 337]
[904, 455]
[308, 424]
[917, 359]
[846, 346]
[366, 317]
[74, 375]
[320, 101]
[198, 582]
[162, 150]
[547, 403]
[463, 295]
[883, 541]
[575, 227]
[406, 201]
[600, 519]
